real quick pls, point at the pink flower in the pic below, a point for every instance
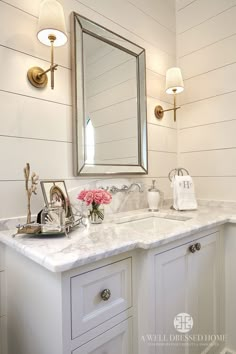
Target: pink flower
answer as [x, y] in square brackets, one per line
[107, 197]
[82, 195]
[98, 196]
[89, 197]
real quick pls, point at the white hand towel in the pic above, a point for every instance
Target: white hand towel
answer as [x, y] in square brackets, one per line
[183, 193]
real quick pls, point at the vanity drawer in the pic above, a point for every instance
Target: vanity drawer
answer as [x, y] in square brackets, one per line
[117, 340]
[88, 309]
[2, 294]
[2, 257]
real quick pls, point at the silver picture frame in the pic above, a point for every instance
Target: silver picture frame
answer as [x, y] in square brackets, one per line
[55, 193]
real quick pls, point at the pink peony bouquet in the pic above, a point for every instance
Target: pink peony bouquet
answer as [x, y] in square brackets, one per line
[95, 197]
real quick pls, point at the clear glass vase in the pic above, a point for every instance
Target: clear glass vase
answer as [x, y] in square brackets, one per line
[96, 214]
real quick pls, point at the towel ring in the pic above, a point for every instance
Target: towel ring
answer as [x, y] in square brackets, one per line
[177, 171]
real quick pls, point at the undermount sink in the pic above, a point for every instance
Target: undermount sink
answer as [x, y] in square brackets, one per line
[153, 217]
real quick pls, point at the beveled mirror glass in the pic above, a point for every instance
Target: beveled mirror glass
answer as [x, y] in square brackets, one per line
[109, 101]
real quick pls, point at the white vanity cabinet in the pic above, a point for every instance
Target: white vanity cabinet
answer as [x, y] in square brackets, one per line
[188, 280]
[112, 306]
[3, 310]
[81, 311]
[117, 340]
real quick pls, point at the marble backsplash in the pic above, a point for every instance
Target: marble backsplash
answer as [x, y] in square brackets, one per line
[121, 201]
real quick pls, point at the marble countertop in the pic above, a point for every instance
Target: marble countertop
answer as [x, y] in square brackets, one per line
[95, 242]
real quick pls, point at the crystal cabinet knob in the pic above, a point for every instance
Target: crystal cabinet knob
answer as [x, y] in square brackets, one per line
[192, 248]
[198, 246]
[106, 294]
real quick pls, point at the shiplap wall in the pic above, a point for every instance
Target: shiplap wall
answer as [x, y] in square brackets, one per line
[36, 124]
[206, 42]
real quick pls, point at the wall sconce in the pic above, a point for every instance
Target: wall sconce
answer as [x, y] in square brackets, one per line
[174, 85]
[51, 32]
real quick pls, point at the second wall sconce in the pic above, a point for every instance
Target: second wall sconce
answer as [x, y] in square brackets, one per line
[174, 85]
[51, 32]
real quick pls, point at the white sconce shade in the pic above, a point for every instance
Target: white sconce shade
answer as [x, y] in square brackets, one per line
[174, 81]
[51, 23]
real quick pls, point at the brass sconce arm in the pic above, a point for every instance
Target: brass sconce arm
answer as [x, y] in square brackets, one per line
[159, 112]
[37, 76]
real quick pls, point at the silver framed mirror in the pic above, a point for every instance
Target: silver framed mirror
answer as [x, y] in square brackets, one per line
[109, 102]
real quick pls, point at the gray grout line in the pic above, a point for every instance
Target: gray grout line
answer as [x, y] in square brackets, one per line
[17, 8]
[219, 13]
[163, 152]
[207, 98]
[37, 139]
[26, 12]
[153, 18]
[186, 5]
[32, 56]
[205, 46]
[35, 98]
[162, 126]
[209, 71]
[207, 150]
[118, 24]
[206, 124]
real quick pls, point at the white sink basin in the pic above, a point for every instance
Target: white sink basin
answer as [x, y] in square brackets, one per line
[154, 217]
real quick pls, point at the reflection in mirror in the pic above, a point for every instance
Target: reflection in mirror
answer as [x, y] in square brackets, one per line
[109, 103]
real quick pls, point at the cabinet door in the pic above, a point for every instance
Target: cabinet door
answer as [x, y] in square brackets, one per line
[171, 294]
[204, 289]
[187, 283]
[117, 340]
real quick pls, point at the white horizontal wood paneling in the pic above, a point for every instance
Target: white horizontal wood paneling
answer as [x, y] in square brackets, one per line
[20, 63]
[217, 82]
[215, 109]
[50, 159]
[208, 137]
[156, 87]
[161, 163]
[202, 10]
[162, 11]
[210, 163]
[46, 114]
[207, 118]
[131, 17]
[181, 4]
[168, 119]
[209, 58]
[162, 138]
[21, 36]
[215, 188]
[32, 118]
[215, 29]
[164, 61]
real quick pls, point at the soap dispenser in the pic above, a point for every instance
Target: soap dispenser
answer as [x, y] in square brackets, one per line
[153, 197]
